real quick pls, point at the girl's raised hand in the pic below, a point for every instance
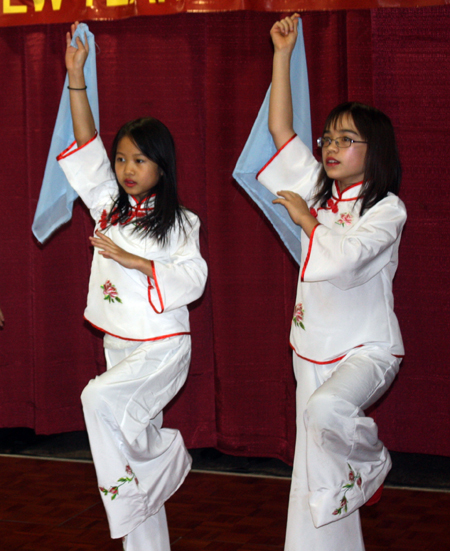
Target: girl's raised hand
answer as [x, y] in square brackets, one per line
[76, 57]
[108, 249]
[284, 33]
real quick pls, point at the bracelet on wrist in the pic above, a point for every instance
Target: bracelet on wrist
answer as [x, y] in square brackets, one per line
[77, 89]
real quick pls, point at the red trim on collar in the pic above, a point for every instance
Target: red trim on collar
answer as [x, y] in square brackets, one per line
[340, 193]
[138, 210]
[277, 153]
[139, 203]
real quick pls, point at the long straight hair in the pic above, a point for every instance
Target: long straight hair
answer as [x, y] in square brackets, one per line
[155, 141]
[382, 168]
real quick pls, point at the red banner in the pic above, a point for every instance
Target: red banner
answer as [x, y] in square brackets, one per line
[30, 12]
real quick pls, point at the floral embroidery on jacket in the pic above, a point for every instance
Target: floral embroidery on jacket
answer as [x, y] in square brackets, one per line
[110, 292]
[313, 211]
[354, 478]
[298, 316]
[114, 490]
[345, 219]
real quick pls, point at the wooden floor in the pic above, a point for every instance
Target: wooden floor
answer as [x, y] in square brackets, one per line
[55, 506]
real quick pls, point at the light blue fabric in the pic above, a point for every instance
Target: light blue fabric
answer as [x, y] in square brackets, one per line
[56, 198]
[260, 148]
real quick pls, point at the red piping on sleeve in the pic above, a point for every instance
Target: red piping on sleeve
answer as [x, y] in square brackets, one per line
[67, 152]
[281, 149]
[309, 250]
[150, 287]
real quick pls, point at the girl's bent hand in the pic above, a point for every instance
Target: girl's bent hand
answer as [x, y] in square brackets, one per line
[76, 57]
[108, 249]
[284, 33]
[298, 210]
[2, 319]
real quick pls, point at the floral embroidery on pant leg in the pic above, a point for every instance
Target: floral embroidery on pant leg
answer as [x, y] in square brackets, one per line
[110, 292]
[114, 490]
[354, 478]
[298, 316]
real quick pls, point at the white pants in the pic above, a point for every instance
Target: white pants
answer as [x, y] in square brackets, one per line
[139, 465]
[339, 461]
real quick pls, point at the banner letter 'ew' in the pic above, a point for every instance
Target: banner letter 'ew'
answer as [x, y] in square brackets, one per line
[57, 197]
[260, 148]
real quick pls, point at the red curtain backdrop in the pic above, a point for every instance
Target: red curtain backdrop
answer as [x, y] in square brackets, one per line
[205, 76]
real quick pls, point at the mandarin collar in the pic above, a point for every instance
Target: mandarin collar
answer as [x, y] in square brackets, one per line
[349, 194]
[139, 205]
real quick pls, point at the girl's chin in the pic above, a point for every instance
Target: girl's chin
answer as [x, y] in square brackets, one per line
[331, 171]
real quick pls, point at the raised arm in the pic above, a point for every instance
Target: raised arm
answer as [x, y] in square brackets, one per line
[284, 36]
[82, 119]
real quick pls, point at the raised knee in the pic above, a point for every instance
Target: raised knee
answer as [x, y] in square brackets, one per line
[320, 412]
[324, 409]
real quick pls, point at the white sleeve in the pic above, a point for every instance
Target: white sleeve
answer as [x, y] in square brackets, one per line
[293, 168]
[89, 173]
[181, 280]
[353, 258]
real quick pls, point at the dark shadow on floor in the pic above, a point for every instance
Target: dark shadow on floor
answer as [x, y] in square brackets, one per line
[410, 470]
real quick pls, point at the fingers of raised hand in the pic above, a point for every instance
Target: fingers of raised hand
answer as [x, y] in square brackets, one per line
[287, 25]
[81, 45]
[74, 27]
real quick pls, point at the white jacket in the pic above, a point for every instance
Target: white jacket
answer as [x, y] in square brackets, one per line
[122, 302]
[344, 296]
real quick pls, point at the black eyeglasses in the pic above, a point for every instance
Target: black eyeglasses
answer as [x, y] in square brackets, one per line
[341, 142]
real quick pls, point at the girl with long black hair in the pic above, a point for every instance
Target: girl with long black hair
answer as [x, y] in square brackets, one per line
[146, 269]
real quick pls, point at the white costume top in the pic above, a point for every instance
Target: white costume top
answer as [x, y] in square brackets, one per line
[344, 296]
[122, 302]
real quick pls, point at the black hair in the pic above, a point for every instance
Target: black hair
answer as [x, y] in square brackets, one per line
[155, 141]
[382, 168]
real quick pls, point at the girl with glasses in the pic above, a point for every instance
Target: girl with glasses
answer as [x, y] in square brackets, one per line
[345, 337]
